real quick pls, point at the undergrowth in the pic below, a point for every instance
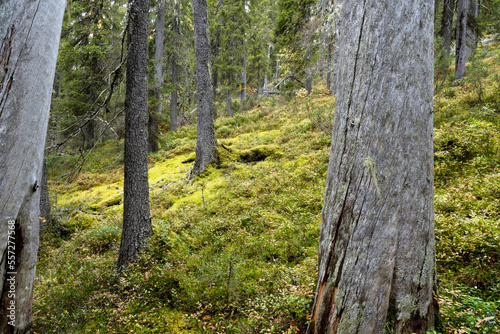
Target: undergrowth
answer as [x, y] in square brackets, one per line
[235, 250]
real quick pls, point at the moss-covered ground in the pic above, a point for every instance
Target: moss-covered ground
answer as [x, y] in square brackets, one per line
[235, 250]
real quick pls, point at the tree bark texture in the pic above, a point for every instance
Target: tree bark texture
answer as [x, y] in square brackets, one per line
[329, 67]
[206, 144]
[377, 248]
[466, 36]
[29, 42]
[447, 25]
[44, 197]
[136, 215]
[174, 123]
[158, 76]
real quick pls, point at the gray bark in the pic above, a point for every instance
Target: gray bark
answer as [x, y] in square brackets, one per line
[158, 76]
[136, 215]
[44, 197]
[308, 83]
[29, 41]
[447, 25]
[329, 67]
[377, 249]
[466, 35]
[174, 123]
[206, 144]
[243, 93]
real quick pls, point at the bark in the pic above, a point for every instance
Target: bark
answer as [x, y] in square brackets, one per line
[376, 268]
[466, 35]
[216, 54]
[447, 25]
[230, 79]
[29, 41]
[329, 67]
[44, 197]
[89, 132]
[158, 76]
[206, 145]
[267, 65]
[174, 124]
[136, 215]
[243, 93]
[308, 84]
[277, 68]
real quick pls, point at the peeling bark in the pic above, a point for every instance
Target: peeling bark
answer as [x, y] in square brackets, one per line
[29, 35]
[377, 248]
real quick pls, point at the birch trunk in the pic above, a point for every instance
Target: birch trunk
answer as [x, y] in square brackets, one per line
[377, 250]
[206, 145]
[29, 41]
[136, 215]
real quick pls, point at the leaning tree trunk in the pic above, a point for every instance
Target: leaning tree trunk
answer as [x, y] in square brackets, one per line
[206, 144]
[136, 215]
[158, 75]
[29, 41]
[377, 250]
[174, 124]
[447, 25]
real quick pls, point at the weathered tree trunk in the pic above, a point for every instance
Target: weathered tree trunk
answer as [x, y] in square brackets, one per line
[29, 41]
[44, 197]
[158, 76]
[466, 36]
[447, 25]
[174, 124]
[206, 144]
[136, 215]
[377, 249]
[308, 83]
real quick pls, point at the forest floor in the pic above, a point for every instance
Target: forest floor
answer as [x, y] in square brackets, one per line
[235, 250]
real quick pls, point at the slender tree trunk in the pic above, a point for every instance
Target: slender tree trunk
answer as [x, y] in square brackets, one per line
[215, 79]
[277, 69]
[243, 94]
[29, 41]
[89, 131]
[308, 83]
[267, 65]
[329, 67]
[174, 124]
[230, 80]
[158, 76]
[136, 215]
[44, 197]
[447, 25]
[206, 144]
[377, 250]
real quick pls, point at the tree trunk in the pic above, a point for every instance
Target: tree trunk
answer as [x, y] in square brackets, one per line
[308, 84]
[216, 54]
[174, 124]
[267, 65]
[206, 144]
[243, 94]
[447, 25]
[277, 68]
[466, 35]
[329, 67]
[29, 41]
[89, 132]
[230, 79]
[44, 197]
[158, 76]
[377, 250]
[136, 215]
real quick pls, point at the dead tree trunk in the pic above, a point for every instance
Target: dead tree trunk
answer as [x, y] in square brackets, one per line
[377, 249]
[29, 42]
[136, 215]
[206, 144]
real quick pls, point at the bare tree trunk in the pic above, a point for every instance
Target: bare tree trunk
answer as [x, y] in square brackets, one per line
[267, 65]
[29, 41]
[158, 75]
[174, 124]
[206, 144]
[243, 93]
[308, 84]
[466, 35]
[136, 215]
[447, 25]
[377, 250]
[44, 197]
